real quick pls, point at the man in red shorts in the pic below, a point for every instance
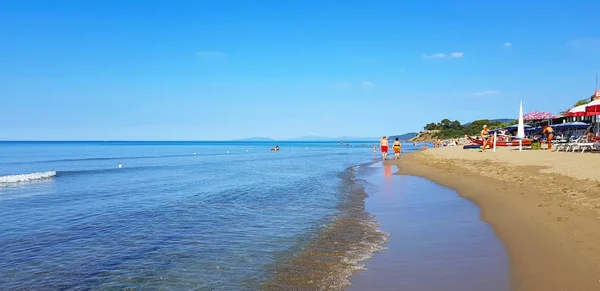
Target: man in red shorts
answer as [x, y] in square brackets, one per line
[383, 144]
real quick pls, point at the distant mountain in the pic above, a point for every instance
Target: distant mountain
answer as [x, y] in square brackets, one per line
[503, 120]
[326, 138]
[405, 136]
[258, 138]
[312, 138]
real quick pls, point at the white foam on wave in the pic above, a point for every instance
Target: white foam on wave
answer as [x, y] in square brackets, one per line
[20, 178]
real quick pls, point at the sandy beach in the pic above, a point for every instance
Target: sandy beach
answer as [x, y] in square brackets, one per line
[544, 206]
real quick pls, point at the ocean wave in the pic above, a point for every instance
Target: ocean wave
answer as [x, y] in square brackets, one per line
[21, 178]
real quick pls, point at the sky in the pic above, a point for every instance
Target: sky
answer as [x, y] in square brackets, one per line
[227, 69]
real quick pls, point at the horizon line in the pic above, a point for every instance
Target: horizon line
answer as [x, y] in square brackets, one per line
[231, 140]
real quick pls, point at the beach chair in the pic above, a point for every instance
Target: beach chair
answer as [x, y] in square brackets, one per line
[560, 146]
[568, 146]
[592, 146]
[583, 144]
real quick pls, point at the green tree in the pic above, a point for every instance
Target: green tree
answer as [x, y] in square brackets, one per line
[581, 102]
[431, 126]
[445, 123]
[455, 125]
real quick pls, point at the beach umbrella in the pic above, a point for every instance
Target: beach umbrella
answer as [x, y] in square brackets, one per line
[538, 115]
[592, 108]
[576, 124]
[577, 111]
[521, 127]
[516, 126]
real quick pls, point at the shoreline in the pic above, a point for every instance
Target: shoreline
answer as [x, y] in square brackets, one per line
[336, 249]
[548, 220]
[437, 242]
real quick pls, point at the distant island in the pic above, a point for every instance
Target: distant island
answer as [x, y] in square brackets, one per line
[325, 138]
[255, 139]
[312, 138]
[404, 137]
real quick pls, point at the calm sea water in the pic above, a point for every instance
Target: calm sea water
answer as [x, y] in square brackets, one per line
[182, 215]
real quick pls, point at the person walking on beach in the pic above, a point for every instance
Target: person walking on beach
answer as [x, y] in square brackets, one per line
[374, 151]
[397, 149]
[384, 143]
[485, 134]
[549, 132]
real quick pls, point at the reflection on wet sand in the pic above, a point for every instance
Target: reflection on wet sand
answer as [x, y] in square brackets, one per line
[437, 240]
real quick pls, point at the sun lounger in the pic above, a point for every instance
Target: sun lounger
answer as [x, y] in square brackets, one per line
[570, 145]
[587, 145]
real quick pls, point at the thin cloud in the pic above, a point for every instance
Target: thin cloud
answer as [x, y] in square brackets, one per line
[585, 46]
[211, 54]
[367, 84]
[584, 42]
[507, 44]
[486, 93]
[435, 56]
[442, 55]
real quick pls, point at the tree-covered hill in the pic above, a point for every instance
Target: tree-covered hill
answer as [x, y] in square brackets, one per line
[453, 129]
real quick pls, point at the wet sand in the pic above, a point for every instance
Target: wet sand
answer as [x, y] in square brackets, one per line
[437, 240]
[544, 206]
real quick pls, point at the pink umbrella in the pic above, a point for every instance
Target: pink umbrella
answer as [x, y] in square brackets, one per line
[538, 115]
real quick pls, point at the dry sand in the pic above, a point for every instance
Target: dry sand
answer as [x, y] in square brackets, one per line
[544, 206]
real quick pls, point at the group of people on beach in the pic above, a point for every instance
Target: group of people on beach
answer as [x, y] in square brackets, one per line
[384, 144]
[438, 143]
[488, 142]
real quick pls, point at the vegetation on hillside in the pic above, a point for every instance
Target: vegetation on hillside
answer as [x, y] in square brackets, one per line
[582, 102]
[579, 102]
[453, 129]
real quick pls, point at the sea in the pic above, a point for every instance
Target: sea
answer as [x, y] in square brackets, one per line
[184, 215]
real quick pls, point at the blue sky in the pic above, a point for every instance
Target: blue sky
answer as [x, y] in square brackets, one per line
[217, 70]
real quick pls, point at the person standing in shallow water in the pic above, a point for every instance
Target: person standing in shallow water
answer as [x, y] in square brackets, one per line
[397, 149]
[383, 144]
[374, 151]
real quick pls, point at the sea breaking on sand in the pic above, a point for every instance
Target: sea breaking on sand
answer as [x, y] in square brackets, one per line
[544, 206]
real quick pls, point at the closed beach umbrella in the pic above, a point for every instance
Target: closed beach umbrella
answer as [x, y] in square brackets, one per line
[521, 127]
[577, 111]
